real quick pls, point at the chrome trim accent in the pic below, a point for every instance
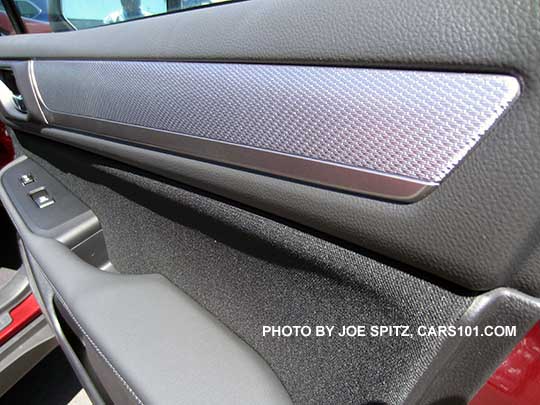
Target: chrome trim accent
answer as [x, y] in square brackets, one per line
[35, 89]
[341, 177]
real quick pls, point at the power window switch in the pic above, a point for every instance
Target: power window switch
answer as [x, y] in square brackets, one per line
[26, 179]
[42, 198]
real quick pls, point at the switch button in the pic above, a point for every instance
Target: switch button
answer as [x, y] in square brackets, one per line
[27, 179]
[42, 198]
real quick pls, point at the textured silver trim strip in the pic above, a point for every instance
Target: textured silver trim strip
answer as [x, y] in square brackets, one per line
[410, 125]
[397, 188]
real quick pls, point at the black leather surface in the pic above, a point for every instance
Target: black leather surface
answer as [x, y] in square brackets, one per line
[480, 228]
[161, 345]
[412, 32]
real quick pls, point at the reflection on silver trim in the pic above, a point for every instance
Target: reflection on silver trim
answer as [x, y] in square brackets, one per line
[369, 182]
[35, 89]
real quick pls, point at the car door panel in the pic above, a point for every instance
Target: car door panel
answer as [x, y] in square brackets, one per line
[210, 251]
[205, 205]
[452, 217]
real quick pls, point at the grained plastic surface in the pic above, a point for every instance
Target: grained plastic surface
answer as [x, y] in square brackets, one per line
[411, 123]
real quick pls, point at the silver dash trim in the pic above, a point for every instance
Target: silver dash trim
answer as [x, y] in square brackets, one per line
[335, 176]
[393, 134]
[417, 124]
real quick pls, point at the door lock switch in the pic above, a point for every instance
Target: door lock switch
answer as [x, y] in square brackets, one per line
[26, 179]
[41, 197]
